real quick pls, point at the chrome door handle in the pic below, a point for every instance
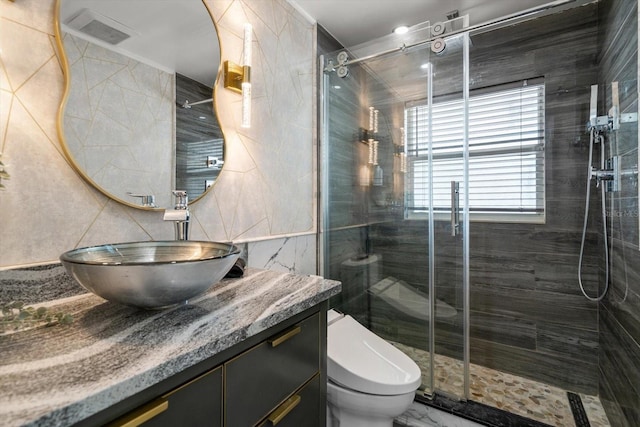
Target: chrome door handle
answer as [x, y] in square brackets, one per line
[455, 207]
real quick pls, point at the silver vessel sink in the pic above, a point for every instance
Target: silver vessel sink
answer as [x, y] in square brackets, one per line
[150, 275]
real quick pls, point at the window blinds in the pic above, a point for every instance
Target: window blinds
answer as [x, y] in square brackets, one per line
[506, 150]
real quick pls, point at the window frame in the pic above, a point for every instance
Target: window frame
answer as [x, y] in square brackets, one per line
[537, 146]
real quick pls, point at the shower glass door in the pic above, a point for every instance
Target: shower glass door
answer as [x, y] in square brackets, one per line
[394, 223]
[437, 155]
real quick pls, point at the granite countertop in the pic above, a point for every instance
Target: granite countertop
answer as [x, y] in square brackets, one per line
[61, 374]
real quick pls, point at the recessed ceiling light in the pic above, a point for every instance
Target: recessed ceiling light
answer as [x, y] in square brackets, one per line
[425, 66]
[402, 29]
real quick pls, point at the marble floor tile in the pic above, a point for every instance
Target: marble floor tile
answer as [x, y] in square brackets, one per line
[419, 415]
[517, 395]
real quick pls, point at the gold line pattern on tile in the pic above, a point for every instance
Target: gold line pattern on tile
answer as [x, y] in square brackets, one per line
[511, 393]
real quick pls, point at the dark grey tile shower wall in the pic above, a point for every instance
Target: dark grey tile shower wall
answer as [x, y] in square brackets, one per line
[343, 196]
[198, 135]
[527, 314]
[619, 356]
[352, 206]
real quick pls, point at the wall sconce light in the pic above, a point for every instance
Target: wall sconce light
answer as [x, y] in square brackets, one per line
[400, 152]
[373, 120]
[403, 163]
[238, 77]
[373, 152]
[373, 129]
[403, 154]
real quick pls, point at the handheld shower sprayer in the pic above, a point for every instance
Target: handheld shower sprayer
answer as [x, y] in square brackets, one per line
[597, 127]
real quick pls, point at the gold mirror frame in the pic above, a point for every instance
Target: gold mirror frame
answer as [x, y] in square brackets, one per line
[64, 63]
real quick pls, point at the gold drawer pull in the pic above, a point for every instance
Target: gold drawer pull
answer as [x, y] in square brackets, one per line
[284, 336]
[143, 414]
[284, 409]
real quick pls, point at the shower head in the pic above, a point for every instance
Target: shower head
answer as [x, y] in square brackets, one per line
[187, 104]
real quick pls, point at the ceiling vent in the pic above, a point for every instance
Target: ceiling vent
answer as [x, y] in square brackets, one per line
[453, 14]
[100, 27]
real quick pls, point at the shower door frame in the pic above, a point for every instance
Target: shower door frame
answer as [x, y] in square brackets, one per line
[466, 223]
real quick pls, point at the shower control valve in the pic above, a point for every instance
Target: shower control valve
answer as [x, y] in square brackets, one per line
[603, 175]
[600, 124]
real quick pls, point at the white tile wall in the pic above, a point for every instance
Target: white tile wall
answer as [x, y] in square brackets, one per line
[419, 415]
[119, 121]
[266, 189]
[291, 254]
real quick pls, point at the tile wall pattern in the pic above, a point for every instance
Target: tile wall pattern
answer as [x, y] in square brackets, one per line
[290, 254]
[527, 312]
[198, 135]
[266, 189]
[619, 315]
[118, 121]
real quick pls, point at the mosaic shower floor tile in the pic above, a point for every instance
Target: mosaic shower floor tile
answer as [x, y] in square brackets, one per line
[511, 393]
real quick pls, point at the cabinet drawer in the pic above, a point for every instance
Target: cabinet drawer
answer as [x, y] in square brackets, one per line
[260, 379]
[196, 403]
[301, 409]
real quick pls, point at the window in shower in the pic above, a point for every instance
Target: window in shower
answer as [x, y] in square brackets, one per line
[506, 152]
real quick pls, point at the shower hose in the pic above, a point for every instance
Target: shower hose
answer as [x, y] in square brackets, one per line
[592, 141]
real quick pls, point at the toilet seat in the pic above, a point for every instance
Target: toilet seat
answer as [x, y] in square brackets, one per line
[362, 361]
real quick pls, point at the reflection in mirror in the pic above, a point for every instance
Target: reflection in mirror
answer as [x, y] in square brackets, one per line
[138, 120]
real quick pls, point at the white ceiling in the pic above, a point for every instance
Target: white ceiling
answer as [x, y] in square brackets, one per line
[179, 35]
[356, 21]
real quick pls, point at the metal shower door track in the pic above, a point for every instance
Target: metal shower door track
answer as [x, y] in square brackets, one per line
[477, 29]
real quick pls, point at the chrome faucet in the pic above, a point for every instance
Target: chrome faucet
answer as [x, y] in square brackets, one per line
[179, 215]
[146, 200]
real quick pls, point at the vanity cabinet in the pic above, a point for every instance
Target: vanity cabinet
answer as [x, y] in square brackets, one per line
[196, 403]
[301, 409]
[260, 380]
[276, 378]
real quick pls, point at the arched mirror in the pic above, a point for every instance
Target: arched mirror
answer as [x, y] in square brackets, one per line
[138, 119]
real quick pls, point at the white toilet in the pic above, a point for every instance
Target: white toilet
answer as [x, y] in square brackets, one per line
[370, 381]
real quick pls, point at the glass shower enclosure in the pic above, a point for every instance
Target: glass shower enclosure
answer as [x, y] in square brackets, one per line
[395, 167]
[453, 163]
